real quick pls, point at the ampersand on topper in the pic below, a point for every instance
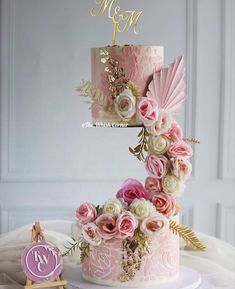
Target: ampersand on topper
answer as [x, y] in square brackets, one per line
[122, 20]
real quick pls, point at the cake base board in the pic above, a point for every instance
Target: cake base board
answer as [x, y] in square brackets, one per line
[187, 279]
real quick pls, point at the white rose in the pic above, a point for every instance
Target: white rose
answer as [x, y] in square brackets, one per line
[181, 168]
[91, 235]
[172, 185]
[113, 206]
[125, 104]
[154, 226]
[142, 208]
[158, 144]
[76, 231]
[162, 124]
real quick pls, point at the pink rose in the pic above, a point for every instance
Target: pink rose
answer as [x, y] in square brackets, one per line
[175, 133]
[156, 166]
[162, 124]
[107, 227]
[146, 111]
[153, 185]
[180, 149]
[126, 225]
[91, 235]
[131, 190]
[86, 213]
[155, 226]
[181, 168]
[164, 204]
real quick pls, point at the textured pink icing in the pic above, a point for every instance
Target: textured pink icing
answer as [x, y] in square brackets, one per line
[162, 263]
[139, 63]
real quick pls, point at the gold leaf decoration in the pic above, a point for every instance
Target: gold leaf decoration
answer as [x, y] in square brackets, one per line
[87, 90]
[187, 234]
[134, 249]
[142, 146]
[115, 74]
[134, 89]
[84, 250]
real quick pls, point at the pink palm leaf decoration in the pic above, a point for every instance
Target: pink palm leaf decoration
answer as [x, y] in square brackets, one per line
[168, 86]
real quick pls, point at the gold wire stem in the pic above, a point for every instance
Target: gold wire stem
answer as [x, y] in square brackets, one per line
[192, 140]
[114, 35]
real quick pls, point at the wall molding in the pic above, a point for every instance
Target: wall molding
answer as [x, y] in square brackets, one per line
[226, 167]
[191, 57]
[12, 218]
[225, 215]
[187, 215]
[7, 89]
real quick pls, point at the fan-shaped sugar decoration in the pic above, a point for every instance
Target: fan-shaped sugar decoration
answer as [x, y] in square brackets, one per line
[168, 86]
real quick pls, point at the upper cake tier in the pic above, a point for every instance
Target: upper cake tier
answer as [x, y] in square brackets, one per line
[120, 75]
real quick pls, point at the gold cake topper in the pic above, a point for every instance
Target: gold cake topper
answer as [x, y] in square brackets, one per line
[122, 20]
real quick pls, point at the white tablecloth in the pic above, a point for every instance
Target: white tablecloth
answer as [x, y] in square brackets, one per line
[216, 264]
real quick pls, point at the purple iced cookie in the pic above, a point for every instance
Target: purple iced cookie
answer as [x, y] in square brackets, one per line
[41, 262]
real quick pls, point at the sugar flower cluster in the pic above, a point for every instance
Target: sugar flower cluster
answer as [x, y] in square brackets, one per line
[167, 162]
[132, 209]
[144, 208]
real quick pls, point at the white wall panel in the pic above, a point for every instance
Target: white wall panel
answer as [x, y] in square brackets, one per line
[227, 137]
[226, 222]
[12, 217]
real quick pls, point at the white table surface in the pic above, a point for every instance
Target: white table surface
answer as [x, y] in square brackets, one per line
[216, 265]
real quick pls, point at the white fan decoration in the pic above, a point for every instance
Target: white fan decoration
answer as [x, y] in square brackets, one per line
[168, 87]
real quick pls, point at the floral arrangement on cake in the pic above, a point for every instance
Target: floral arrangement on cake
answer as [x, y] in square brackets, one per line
[141, 213]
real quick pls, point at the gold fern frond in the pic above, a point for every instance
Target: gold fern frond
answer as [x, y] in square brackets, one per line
[187, 234]
[142, 146]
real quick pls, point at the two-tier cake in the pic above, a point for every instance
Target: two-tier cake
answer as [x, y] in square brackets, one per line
[133, 239]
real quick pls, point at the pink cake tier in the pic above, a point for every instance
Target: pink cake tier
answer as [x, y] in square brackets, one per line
[102, 266]
[138, 63]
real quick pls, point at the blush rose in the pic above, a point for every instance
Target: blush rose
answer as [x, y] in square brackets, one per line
[91, 235]
[181, 168]
[164, 204]
[153, 186]
[146, 111]
[107, 227]
[86, 213]
[175, 132]
[156, 166]
[180, 149]
[161, 125]
[126, 225]
[155, 226]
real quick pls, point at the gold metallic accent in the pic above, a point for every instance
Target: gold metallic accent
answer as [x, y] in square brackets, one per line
[84, 250]
[187, 234]
[134, 249]
[122, 20]
[192, 140]
[142, 146]
[115, 75]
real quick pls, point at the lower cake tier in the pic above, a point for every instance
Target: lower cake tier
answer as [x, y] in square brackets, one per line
[103, 265]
